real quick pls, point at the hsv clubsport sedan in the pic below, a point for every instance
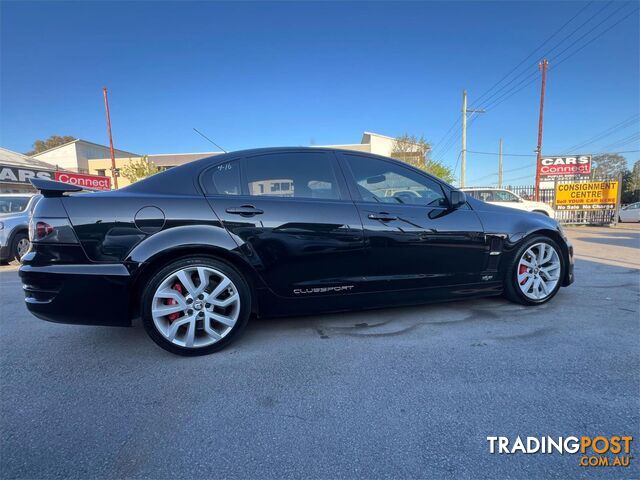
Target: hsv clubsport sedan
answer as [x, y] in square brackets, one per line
[195, 250]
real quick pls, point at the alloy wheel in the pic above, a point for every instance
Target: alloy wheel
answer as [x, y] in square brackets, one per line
[539, 271]
[195, 307]
[22, 247]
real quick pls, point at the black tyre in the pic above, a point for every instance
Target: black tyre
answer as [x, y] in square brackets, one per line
[195, 306]
[534, 273]
[19, 245]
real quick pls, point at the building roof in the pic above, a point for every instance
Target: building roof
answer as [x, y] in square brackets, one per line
[85, 142]
[9, 157]
[366, 136]
[173, 159]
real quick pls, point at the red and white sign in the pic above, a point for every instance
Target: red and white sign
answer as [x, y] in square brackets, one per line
[90, 181]
[575, 166]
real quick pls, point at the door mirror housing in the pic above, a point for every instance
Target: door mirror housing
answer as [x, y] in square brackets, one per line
[457, 198]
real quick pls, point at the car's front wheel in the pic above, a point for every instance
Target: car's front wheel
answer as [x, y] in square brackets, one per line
[534, 274]
[20, 245]
[195, 306]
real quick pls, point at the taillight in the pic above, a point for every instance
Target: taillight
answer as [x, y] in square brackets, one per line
[51, 230]
[42, 230]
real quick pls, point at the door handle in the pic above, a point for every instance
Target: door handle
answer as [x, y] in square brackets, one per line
[245, 211]
[382, 216]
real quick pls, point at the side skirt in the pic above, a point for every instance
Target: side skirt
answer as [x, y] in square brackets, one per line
[271, 305]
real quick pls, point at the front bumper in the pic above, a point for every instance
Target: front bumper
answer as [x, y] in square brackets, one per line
[88, 294]
[569, 277]
[5, 251]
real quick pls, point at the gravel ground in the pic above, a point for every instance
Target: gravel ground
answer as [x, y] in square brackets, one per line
[394, 393]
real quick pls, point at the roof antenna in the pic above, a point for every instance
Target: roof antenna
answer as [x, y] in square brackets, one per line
[207, 138]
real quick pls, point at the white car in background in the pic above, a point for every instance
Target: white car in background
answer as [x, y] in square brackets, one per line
[506, 198]
[630, 213]
[15, 209]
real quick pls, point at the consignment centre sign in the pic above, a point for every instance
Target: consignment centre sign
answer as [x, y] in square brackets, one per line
[586, 195]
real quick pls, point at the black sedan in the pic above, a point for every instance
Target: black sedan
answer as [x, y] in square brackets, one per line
[196, 250]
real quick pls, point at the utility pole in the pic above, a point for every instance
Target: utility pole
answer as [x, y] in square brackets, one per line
[542, 66]
[113, 156]
[500, 165]
[465, 110]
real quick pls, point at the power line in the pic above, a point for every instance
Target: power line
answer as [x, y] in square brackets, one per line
[439, 143]
[634, 137]
[447, 141]
[552, 49]
[534, 51]
[589, 31]
[609, 131]
[504, 154]
[532, 165]
[533, 77]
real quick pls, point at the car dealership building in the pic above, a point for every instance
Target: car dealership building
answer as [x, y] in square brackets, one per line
[17, 169]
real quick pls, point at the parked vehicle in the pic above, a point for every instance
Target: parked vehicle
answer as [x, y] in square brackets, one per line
[196, 249]
[15, 209]
[506, 198]
[630, 213]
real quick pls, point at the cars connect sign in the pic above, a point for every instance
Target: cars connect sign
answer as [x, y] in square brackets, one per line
[572, 167]
[89, 181]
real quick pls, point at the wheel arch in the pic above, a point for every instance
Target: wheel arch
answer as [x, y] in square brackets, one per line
[540, 211]
[158, 250]
[556, 237]
[16, 230]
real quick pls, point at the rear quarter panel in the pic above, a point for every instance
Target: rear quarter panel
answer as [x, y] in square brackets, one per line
[106, 224]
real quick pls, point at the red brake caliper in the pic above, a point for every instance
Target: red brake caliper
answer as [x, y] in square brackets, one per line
[170, 301]
[521, 270]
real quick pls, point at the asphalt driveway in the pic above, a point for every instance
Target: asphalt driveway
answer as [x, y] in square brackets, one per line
[394, 393]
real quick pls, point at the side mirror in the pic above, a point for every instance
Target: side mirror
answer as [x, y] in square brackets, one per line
[457, 198]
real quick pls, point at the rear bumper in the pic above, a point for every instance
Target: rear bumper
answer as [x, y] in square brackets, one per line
[78, 294]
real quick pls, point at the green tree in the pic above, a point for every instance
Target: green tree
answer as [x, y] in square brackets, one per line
[631, 184]
[51, 142]
[634, 178]
[139, 168]
[415, 151]
[608, 165]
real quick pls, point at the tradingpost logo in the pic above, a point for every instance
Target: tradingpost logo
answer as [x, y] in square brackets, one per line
[597, 451]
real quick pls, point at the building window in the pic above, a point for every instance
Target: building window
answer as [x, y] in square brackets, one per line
[102, 172]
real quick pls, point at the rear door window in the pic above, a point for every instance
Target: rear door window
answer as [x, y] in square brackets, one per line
[224, 179]
[307, 175]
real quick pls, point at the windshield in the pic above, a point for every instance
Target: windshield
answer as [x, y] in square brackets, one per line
[13, 204]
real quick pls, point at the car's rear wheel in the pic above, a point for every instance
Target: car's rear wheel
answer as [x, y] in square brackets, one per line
[534, 274]
[196, 306]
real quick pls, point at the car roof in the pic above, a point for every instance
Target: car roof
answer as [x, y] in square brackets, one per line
[178, 180]
[25, 195]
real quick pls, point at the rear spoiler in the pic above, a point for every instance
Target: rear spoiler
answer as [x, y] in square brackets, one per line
[51, 188]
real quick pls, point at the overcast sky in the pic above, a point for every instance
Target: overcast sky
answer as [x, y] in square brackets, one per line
[265, 74]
